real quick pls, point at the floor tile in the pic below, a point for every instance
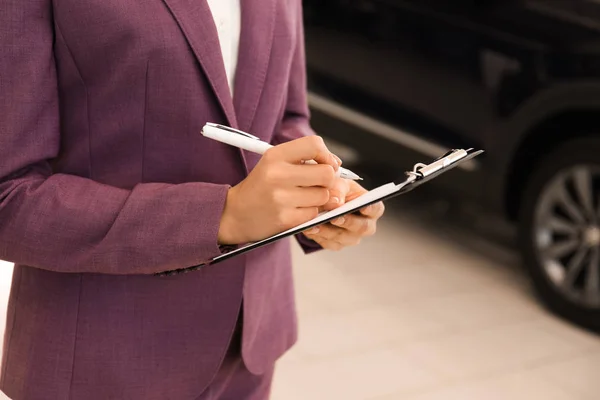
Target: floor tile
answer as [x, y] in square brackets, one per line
[364, 329]
[494, 351]
[579, 376]
[496, 306]
[352, 378]
[583, 339]
[520, 386]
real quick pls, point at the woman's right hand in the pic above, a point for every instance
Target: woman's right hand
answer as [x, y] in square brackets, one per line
[280, 192]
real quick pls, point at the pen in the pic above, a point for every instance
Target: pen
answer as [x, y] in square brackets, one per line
[246, 141]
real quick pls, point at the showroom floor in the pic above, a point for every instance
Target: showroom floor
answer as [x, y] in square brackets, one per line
[426, 310]
[416, 315]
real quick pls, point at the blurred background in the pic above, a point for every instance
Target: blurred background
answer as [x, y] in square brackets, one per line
[484, 283]
[401, 81]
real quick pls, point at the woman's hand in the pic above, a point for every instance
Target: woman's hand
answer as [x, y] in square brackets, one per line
[280, 192]
[350, 229]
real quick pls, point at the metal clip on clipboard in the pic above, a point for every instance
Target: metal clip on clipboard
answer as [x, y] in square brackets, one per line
[422, 171]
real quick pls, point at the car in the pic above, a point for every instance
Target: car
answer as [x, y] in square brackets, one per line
[403, 81]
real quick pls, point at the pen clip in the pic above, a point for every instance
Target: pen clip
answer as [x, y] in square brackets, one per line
[232, 130]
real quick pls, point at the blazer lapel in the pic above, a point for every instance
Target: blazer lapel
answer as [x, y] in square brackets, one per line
[197, 24]
[256, 39]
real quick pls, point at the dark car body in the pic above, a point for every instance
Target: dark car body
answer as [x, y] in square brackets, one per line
[512, 77]
[403, 81]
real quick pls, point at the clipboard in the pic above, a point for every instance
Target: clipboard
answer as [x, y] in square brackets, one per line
[420, 174]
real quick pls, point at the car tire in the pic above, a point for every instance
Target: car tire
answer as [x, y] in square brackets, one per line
[560, 257]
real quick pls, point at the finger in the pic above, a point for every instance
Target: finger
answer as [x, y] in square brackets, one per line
[324, 232]
[335, 234]
[337, 194]
[339, 160]
[304, 197]
[374, 210]
[328, 244]
[324, 242]
[310, 175]
[354, 191]
[362, 226]
[331, 245]
[305, 148]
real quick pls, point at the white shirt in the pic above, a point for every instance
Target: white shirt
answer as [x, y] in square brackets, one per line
[227, 16]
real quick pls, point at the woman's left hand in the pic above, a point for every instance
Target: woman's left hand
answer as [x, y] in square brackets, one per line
[351, 228]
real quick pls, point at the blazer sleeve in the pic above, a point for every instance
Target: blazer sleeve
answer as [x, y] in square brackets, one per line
[67, 223]
[296, 116]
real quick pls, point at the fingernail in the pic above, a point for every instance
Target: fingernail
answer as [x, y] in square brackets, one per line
[314, 230]
[339, 221]
[335, 159]
[339, 160]
[335, 200]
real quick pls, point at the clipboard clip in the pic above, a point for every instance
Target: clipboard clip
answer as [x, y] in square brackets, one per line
[421, 171]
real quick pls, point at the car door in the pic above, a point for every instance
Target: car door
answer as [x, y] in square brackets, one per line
[445, 70]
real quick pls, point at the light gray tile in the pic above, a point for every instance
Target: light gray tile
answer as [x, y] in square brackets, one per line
[364, 329]
[580, 375]
[494, 351]
[517, 386]
[493, 307]
[355, 377]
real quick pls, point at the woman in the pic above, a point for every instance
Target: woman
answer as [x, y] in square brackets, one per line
[105, 181]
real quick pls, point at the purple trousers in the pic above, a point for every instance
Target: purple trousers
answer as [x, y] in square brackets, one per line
[233, 380]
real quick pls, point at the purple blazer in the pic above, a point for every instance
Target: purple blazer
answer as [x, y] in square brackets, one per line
[106, 180]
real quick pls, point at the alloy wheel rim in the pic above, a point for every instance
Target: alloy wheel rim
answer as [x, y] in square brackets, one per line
[567, 234]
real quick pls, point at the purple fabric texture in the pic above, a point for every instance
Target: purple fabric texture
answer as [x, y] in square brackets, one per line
[105, 180]
[233, 381]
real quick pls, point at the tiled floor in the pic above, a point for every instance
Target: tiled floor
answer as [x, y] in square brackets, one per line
[416, 315]
[412, 315]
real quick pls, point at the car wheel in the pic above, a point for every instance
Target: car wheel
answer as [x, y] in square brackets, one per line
[560, 230]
